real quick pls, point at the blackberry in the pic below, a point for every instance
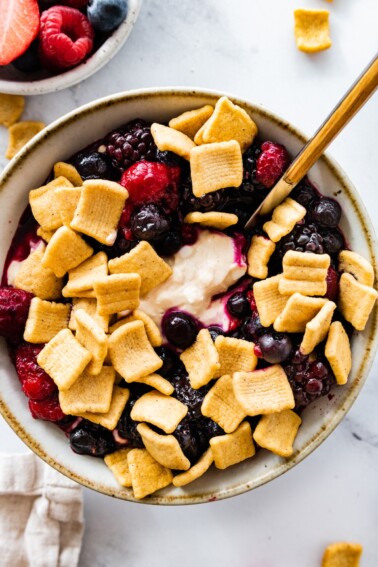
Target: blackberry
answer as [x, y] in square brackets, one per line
[171, 361]
[130, 143]
[127, 427]
[303, 238]
[249, 167]
[210, 202]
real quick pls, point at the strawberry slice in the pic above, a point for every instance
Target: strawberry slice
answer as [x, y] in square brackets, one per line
[19, 24]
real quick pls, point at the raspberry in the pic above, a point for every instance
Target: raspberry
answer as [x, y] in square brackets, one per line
[66, 37]
[14, 309]
[271, 163]
[130, 143]
[332, 284]
[36, 384]
[47, 409]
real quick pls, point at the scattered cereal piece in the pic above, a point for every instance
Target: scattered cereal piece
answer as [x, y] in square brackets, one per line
[110, 419]
[191, 121]
[258, 256]
[90, 334]
[44, 205]
[45, 320]
[342, 554]
[99, 209]
[221, 406]
[305, 273]
[64, 359]
[117, 463]
[277, 431]
[198, 137]
[233, 447]
[196, 471]
[90, 307]
[68, 171]
[285, 216]
[317, 329]
[46, 235]
[163, 411]
[269, 302]
[311, 29]
[235, 355]
[356, 301]
[119, 292]
[131, 352]
[20, 134]
[168, 139]
[338, 353]
[221, 221]
[67, 199]
[81, 278]
[147, 475]
[201, 360]
[11, 108]
[152, 330]
[65, 251]
[144, 261]
[37, 279]
[358, 266]
[216, 166]
[298, 311]
[89, 393]
[263, 391]
[158, 383]
[165, 449]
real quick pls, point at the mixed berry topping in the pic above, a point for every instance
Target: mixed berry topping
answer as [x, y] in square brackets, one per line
[14, 309]
[271, 163]
[129, 144]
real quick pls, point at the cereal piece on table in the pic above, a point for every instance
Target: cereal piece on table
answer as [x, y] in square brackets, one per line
[298, 311]
[356, 301]
[285, 216]
[110, 419]
[263, 391]
[191, 121]
[165, 449]
[152, 330]
[90, 334]
[46, 235]
[216, 166]
[117, 463]
[158, 383]
[68, 171]
[144, 261]
[201, 360]
[196, 471]
[131, 352]
[235, 355]
[81, 278]
[147, 475]
[269, 302]
[311, 29]
[221, 405]
[20, 134]
[89, 393]
[233, 447]
[214, 219]
[45, 320]
[34, 277]
[65, 251]
[119, 292]
[90, 306]
[162, 411]
[67, 199]
[277, 431]
[64, 359]
[99, 209]
[168, 139]
[359, 267]
[305, 273]
[342, 554]
[258, 256]
[229, 122]
[11, 108]
[338, 353]
[44, 205]
[317, 329]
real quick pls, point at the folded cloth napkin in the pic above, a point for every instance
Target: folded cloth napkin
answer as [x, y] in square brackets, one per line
[41, 514]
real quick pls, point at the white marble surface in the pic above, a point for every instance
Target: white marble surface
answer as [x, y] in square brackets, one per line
[247, 48]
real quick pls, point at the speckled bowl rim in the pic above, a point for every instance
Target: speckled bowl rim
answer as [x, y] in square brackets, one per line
[93, 64]
[361, 373]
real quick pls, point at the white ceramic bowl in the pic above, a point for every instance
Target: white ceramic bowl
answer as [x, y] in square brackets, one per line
[16, 82]
[75, 130]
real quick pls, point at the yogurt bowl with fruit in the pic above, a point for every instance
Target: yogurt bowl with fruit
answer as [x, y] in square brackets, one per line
[155, 350]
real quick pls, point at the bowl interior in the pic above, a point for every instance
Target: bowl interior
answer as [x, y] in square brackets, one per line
[61, 140]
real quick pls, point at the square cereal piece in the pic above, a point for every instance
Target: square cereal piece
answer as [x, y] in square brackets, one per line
[263, 391]
[298, 311]
[158, 383]
[162, 411]
[198, 137]
[152, 330]
[258, 256]
[45, 206]
[233, 447]
[147, 475]
[356, 301]
[131, 352]
[277, 431]
[165, 449]
[196, 471]
[46, 235]
[201, 360]
[144, 261]
[311, 30]
[99, 209]
[317, 329]
[90, 306]
[269, 302]
[110, 419]
[64, 359]
[65, 251]
[191, 121]
[359, 267]
[117, 463]
[68, 171]
[216, 166]
[45, 320]
[235, 355]
[305, 273]
[89, 393]
[221, 221]
[34, 277]
[67, 199]
[168, 139]
[11, 108]
[342, 554]
[81, 278]
[338, 353]
[285, 216]
[221, 406]
[20, 134]
[119, 292]
[90, 334]
[229, 122]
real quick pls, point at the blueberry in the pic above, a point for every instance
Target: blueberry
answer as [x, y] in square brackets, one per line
[326, 212]
[252, 328]
[180, 329]
[275, 347]
[171, 362]
[238, 305]
[106, 15]
[29, 61]
[91, 439]
[215, 331]
[333, 241]
[94, 165]
[304, 193]
[148, 222]
[169, 244]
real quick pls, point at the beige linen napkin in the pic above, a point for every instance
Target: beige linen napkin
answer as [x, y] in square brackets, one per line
[41, 514]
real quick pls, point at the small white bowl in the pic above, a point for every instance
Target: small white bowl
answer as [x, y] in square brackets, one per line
[13, 81]
[69, 134]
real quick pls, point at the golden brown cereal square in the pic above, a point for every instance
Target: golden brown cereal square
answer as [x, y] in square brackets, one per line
[110, 419]
[11, 108]
[191, 121]
[158, 383]
[147, 475]
[338, 353]
[277, 431]
[162, 411]
[152, 330]
[342, 554]
[34, 277]
[221, 405]
[90, 306]
[269, 302]
[117, 463]
[311, 29]
[45, 320]
[235, 355]
[165, 449]
[214, 219]
[67, 199]
[201, 360]
[171, 140]
[258, 256]
[198, 136]
[284, 218]
[359, 267]
[305, 273]
[90, 334]
[233, 447]
[298, 311]
[44, 204]
[81, 278]
[68, 171]
[356, 301]
[20, 134]
[89, 393]
[65, 251]
[119, 292]
[196, 471]
[317, 329]
[46, 235]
